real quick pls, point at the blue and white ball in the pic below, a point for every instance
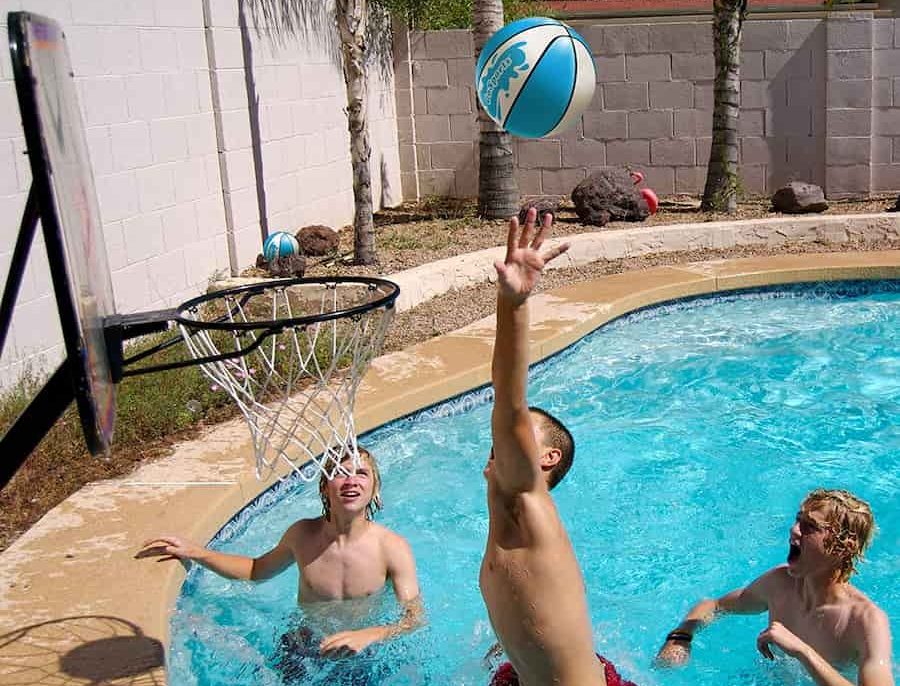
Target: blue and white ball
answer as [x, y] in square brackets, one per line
[280, 244]
[535, 77]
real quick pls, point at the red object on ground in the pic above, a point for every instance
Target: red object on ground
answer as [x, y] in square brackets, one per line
[506, 675]
[652, 200]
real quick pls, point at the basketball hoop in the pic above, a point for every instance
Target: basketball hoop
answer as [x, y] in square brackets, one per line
[291, 353]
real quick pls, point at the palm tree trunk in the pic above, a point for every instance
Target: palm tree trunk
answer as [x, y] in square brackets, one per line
[498, 192]
[722, 180]
[351, 19]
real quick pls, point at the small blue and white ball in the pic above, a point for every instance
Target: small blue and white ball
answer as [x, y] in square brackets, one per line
[535, 77]
[280, 244]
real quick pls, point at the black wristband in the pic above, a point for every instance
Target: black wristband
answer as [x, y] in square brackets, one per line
[679, 635]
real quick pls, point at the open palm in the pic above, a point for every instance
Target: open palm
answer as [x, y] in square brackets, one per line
[521, 270]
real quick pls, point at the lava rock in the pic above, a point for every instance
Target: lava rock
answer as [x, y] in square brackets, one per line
[317, 240]
[799, 197]
[609, 194]
[543, 205]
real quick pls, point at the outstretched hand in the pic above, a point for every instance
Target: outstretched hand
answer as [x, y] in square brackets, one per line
[520, 271]
[169, 548]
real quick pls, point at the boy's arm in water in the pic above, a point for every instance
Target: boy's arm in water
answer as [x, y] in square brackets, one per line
[227, 565]
[401, 567]
[516, 457]
[748, 600]
[875, 666]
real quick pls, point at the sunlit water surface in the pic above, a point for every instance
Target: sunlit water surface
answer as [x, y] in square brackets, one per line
[700, 426]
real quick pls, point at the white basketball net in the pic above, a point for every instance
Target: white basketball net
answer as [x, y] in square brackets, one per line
[297, 388]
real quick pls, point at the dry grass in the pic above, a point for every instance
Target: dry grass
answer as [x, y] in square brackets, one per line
[409, 236]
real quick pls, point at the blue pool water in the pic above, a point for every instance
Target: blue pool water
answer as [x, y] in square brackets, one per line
[700, 426]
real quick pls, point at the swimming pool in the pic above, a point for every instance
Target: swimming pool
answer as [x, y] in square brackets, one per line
[700, 426]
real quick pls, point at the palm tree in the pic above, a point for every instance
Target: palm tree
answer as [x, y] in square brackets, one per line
[722, 180]
[498, 192]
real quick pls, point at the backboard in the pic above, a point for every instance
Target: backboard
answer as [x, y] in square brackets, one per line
[63, 183]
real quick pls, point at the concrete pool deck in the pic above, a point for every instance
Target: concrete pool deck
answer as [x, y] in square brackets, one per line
[77, 608]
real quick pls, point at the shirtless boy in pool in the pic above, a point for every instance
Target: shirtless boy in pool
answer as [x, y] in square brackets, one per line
[815, 615]
[531, 582]
[342, 555]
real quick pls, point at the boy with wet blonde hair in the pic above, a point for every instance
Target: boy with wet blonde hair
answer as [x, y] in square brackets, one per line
[815, 615]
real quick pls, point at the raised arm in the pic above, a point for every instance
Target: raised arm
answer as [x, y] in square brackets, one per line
[401, 567]
[515, 452]
[744, 601]
[224, 564]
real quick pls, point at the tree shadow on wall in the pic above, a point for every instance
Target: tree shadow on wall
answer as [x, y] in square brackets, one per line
[88, 649]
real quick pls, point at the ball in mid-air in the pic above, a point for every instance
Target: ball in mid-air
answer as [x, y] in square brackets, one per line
[280, 244]
[535, 77]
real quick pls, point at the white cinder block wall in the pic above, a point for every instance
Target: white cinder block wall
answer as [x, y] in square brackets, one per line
[163, 93]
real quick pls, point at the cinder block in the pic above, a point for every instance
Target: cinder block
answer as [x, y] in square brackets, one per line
[278, 121]
[693, 67]
[169, 140]
[761, 94]
[808, 34]
[693, 123]
[605, 125]
[621, 39]
[691, 36]
[118, 196]
[99, 149]
[851, 180]
[9, 183]
[239, 169]
[753, 179]
[848, 151]
[882, 150]
[896, 157]
[666, 95]
[660, 179]
[690, 179]
[423, 156]
[432, 128]
[529, 181]
[805, 151]
[159, 50]
[177, 13]
[648, 67]
[167, 274]
[235, 129]
[609, 68]
[752, 123]
[789, 121]
[156, 187]
[420, 100]
[61, 10]
[887, 63]
[704, 145]
[850, 93]
[765, 35]
[450, 100]
[227, 48]
[210, 212]
[442, 44]
[562, 181]
[242, 205]
[849, 34]
[885, 122]
[587, 153]
[179, 226]
[539, 154]
[466, 183]
[753, 65]
[849, 64]
[882, 33]
[429, 73]
[758, 150]
[131, 287]
[121, 49]
[143, 237]
[461, 71]
[704, 95]
[849, 122]
[181, 94]
[805, 93]
[409, 186]
[672, 153]
[882, 93]
[131, 147]
[463, 127]
[191, 45]
[886, 177]
[437, 182]
[626, 96]
[628, 152]
[103, 100]
[452, 155]
[650, 124]
[788, 64]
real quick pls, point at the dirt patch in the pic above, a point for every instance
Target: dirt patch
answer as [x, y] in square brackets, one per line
[410, 236]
